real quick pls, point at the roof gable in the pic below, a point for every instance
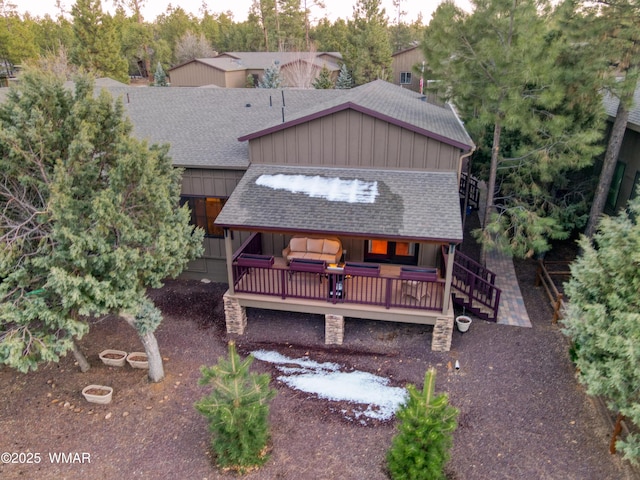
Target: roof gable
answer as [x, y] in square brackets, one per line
[389, 103]
[263, 60]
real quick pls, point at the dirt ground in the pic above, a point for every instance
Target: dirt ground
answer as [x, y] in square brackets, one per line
[523, 415]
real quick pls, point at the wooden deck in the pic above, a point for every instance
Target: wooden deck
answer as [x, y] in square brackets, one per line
[382, 297]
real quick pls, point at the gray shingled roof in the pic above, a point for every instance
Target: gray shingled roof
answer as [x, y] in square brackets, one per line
[410, 205]
[263, 60]
[387, 101]
[233, 61]
[611, 106]
[202, 125]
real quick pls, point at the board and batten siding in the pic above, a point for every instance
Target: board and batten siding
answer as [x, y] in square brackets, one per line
[405, 61]
[211, 183]
[351, 139]
[195, 74]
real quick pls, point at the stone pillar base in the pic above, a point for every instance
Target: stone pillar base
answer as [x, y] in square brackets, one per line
[235, 315]
[333, 329]
[442, 332]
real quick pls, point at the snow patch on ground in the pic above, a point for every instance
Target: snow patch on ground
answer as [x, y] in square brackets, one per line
[371, 395]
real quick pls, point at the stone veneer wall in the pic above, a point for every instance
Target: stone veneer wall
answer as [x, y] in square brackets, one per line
[235, 315]
[442, 333]
[333, 329]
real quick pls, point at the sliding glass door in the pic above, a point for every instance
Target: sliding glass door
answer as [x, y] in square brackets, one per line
[383, 251]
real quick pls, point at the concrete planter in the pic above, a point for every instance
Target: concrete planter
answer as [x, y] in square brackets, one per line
[463, 323]
[138, 360]
[113, 358]
[98, 393]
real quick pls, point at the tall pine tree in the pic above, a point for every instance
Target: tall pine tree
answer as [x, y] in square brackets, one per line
[97, 48]
[505, 67]
[613, 33]
[368, 53]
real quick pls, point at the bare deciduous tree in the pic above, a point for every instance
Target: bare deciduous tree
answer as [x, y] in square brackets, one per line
[192, 46]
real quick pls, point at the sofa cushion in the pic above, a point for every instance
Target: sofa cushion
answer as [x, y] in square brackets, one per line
[330, 247]
[315, 245]
[298, 244]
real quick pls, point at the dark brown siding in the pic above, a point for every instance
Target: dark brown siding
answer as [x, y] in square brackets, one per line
[211, 183]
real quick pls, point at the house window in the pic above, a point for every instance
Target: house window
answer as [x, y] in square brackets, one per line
[614, 190]
[204, 211]
[382, 251]
[405, 78]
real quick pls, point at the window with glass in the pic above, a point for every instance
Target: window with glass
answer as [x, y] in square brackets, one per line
[405, 78]
[204, 211]
[383, 251]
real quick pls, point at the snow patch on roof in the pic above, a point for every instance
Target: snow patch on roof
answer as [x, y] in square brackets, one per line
[333, 189]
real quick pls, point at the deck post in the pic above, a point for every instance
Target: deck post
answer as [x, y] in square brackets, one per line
[228, 250]
[442, 333]
[333, 329]
[235, 314]
[448, 279]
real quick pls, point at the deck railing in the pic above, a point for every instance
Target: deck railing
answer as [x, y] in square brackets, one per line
[259, 277]
[477, 286]
[474, 191]
[252, 245]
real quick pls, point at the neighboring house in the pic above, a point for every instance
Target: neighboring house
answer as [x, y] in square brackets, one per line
[369, 177]
[626, 177]
[407, 65]
[231, 69]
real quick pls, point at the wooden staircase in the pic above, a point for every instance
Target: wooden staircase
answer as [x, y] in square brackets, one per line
[473, 288]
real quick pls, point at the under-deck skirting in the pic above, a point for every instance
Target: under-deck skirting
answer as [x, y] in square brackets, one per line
[236, 321]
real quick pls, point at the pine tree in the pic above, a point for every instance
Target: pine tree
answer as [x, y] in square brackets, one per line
[160, 78]
[271, 77]
[617, 38]
[237, 410]
[369, 51]
[89, 221]
[513, 76]
[603, 316]
[344, 80]
[323, 81]
[97, 48]
[420, 450]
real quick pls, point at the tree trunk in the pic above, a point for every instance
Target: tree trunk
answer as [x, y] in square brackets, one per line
[617, 429]
[156, 369]
[491, 187]
[608, 168]
[80, 358]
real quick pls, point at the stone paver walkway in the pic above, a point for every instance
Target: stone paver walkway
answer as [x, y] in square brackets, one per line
[512, 310]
